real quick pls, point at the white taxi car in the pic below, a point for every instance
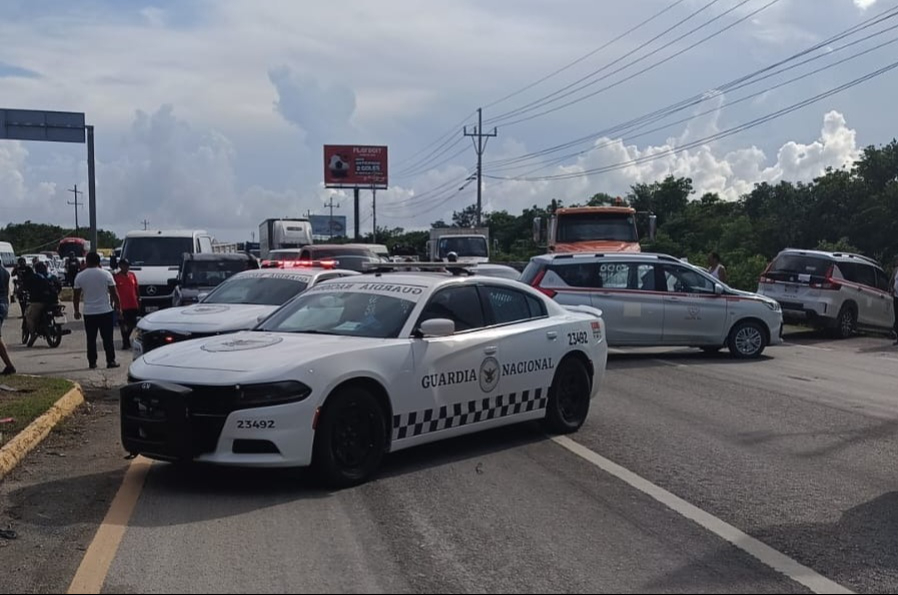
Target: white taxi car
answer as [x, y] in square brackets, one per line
[658, 300]
[238, 303]
[357, 367]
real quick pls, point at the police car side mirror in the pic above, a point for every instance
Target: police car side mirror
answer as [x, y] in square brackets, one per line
[718, 289]
[201, 296]
[437, 327]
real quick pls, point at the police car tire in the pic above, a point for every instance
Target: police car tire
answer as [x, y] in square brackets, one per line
[571, 388]
[339, 422]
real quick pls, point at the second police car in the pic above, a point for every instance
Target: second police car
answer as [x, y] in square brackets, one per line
[236, 304]
[358, 367]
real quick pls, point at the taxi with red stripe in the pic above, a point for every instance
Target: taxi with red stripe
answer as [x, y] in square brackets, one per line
[659, 300]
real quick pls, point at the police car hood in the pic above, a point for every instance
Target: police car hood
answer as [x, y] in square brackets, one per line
[206, 318]
[263, 354]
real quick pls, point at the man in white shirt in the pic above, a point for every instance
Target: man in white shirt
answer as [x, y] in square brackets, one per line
[100, 300]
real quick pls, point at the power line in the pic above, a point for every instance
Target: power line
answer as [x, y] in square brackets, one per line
[714, 137]
[479, 147]
[570, 65]
[743, 99]
[449, 134]
[639, 72]
[535, 104]
[734, 84]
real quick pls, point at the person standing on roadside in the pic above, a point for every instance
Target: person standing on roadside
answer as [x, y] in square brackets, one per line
[126, 284]
[716, 268]
[4, 312]
[100, 301]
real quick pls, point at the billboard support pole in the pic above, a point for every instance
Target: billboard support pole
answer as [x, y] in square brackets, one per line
[92, 188]
[373, 215]
[355, 198]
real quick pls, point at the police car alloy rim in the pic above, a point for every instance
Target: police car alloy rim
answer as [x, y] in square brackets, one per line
[749, 340]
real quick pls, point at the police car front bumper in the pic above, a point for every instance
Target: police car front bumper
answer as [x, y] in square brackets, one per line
[173, 422]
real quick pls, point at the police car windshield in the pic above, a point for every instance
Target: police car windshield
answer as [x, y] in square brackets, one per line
[262, 290]
[350, 313]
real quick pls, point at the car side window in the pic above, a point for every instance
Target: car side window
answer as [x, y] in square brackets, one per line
[572, 274]
[882, 280]
[866, 275]
[645, 277]
[682, 280]
[614, 275]
[459, 304]
[508, 305]
[537, 307]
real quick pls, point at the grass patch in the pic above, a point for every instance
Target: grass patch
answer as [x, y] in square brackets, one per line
[37, 395]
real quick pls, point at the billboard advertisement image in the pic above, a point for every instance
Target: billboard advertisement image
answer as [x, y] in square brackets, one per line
[355, 166]
[321, 225]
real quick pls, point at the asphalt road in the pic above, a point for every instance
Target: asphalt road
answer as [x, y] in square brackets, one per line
[797, 450]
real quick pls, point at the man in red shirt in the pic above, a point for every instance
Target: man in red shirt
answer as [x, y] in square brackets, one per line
[126, 284]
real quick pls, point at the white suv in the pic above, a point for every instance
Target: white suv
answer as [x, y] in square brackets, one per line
[658, 300]
[837, 291]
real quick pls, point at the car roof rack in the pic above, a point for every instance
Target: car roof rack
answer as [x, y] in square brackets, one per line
[456, 268]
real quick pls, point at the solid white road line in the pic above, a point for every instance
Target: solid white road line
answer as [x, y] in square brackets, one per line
[766, 554]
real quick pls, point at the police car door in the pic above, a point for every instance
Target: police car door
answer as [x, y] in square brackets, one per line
[530, 347]
[454, 373]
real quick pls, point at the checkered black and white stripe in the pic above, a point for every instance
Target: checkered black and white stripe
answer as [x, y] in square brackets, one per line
[416, 423]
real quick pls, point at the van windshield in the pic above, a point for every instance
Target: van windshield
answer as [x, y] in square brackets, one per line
[156, 251]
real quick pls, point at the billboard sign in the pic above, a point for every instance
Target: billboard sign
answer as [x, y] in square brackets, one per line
[355, 166]
[39, 125]
[321, 225]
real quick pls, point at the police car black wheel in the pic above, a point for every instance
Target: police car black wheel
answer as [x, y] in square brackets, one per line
[350, 438]
[568, 404]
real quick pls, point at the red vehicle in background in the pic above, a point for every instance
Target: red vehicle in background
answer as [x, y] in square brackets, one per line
[79, 246]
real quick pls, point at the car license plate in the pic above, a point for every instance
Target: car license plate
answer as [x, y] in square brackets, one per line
[151, 308]
[791, 288]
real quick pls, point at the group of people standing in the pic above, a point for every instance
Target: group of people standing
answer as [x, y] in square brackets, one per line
[106, 297]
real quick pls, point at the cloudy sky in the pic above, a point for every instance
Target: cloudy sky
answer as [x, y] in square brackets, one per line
[212, 113]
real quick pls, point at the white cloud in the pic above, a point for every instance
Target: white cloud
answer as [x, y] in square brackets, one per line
[864, 4]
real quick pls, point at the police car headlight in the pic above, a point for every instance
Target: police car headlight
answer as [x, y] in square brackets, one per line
[273, 393]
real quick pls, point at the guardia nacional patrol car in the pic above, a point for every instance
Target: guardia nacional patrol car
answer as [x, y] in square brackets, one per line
[236, 304]
[357, 367]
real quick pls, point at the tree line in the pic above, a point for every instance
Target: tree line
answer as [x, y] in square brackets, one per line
[31, 238]
[850, 209]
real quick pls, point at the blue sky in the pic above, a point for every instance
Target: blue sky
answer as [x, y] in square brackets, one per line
[212, 114]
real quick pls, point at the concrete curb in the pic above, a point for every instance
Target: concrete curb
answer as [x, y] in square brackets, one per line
[33, 434]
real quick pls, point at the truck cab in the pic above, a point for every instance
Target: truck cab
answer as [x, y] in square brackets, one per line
[156, 256]
[591, 229]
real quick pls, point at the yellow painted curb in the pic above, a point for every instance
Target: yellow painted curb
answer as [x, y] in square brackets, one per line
[25, 441]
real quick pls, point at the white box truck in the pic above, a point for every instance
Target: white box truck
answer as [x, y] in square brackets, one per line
[278, 234]
[470, 244]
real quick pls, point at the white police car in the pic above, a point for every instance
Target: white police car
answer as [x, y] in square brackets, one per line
[236, 304]
[357, 367]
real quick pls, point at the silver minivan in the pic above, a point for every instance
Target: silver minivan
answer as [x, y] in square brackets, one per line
[659, 300]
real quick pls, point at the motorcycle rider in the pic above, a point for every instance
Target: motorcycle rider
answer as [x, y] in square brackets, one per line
[21, 275]
[44, 294]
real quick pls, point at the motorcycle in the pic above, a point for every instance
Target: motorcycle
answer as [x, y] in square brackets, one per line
[50, 327]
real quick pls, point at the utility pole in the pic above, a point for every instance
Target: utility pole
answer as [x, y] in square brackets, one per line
[308, 213]
[479, 147]
[146, 224]
[76, 203]
[330, 225]
[373, 215]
